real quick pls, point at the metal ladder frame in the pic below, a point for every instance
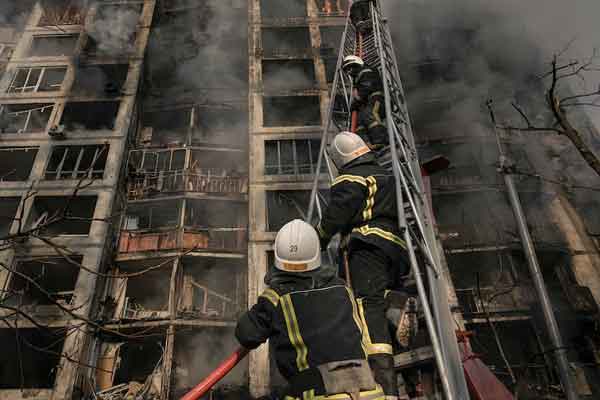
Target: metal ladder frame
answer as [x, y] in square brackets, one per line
[409, 186]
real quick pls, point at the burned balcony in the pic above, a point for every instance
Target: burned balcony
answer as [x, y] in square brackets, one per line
[291, 111]
[24, 366]
[37, 79]
[8, 212]
[207, 226]
[170, 126]
[217, 172]
[289, 75]
[43, 282]
[286, 43]
[53, 46]
[212, 289]
[333, 8]
[77, 162]
[143, 296]
[62, 215]
[100, 80]
[62, 12]
[16, 163]
[24, 118]
[90, 115]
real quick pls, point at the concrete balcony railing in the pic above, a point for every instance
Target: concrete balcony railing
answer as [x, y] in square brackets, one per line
[207, 181]
[214, 239]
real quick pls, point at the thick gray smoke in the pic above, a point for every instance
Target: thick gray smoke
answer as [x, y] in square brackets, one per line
[114, 28]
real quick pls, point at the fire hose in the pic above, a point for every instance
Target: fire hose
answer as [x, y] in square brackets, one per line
[211, 380]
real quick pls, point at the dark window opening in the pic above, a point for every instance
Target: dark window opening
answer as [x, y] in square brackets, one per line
[56, 276]
[291, 111]
[292, 157]
[75, 162]
[155, 215]
[282, 41]
[213, 289]
[332, 7]
[113, 31]
[139, 359]
[39, 367]
[208, 214]
[213, 127]
[330, 68]
[8, 211]
[43, 79]
[146, 293]
[53, 46]
[62, 12]
[100, 80]
[154, 161]
[55, 215]
[16, 163]
[288, 75]
[286, 205]
[24, 118]
[167, 126]
[90, 115]
[282, 8]
[331, 37]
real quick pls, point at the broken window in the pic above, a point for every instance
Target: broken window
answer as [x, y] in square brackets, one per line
[16, 163]
[100, 80]
[24, 118]
[53, 46]
[154, 161]
[331, 38]
[90, 115]
[213, 128]
[75, 162]
[213, 289]
[153, 216]
[167, 126]
[282, 8]
[146, 294]
[288, 75]
[216, 225]
[55, 275]
[113, 30]
[140, 358]
[62, 12]
[8, 211]
[42, 79]
[284, 41]
[62, 215]
[291, 111]
[330, 68]
[286, 205]
[23, 364]
[291, 157]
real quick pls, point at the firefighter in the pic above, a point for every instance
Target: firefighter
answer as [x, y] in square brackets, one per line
[360, 15]
[368, 101]
[312, 322]
[362, 208]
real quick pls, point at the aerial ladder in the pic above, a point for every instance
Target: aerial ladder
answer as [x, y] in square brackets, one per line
[462, 374]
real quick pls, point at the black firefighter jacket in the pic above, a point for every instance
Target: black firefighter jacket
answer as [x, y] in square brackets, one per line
[363, 205]
[308, 324]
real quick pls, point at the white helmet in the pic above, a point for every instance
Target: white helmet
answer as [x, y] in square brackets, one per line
[351, 62]
[346, 147]
[297, 247]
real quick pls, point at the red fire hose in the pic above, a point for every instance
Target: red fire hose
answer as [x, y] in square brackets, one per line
[203, 387]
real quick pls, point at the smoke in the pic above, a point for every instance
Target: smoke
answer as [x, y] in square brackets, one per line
[114, 28]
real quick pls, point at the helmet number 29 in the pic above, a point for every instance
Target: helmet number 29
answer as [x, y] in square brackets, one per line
[293, 248]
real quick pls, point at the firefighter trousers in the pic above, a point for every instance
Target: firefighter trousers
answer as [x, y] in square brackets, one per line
[371, 274]
[371, 122]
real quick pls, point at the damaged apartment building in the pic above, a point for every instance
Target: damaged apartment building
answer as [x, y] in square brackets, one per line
[151, 149]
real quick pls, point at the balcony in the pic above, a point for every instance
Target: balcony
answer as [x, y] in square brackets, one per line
[232, 240]
[208, 181]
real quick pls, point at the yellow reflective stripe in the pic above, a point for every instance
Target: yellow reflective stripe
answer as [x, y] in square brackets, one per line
[294, 332]
[378, 93]
[375, 394]
[376, 123]
[271, 295]
[356, 318]
[367, 230]
[350, 178]
[372, 348]
[375, 112]
[308, 395]
[370, 202]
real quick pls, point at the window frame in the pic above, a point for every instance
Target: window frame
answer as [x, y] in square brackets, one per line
[28, 119]
[296, 167]
[35, 87]
[76, 173]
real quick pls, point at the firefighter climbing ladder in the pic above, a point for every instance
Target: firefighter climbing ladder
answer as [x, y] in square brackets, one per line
[374, 45]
